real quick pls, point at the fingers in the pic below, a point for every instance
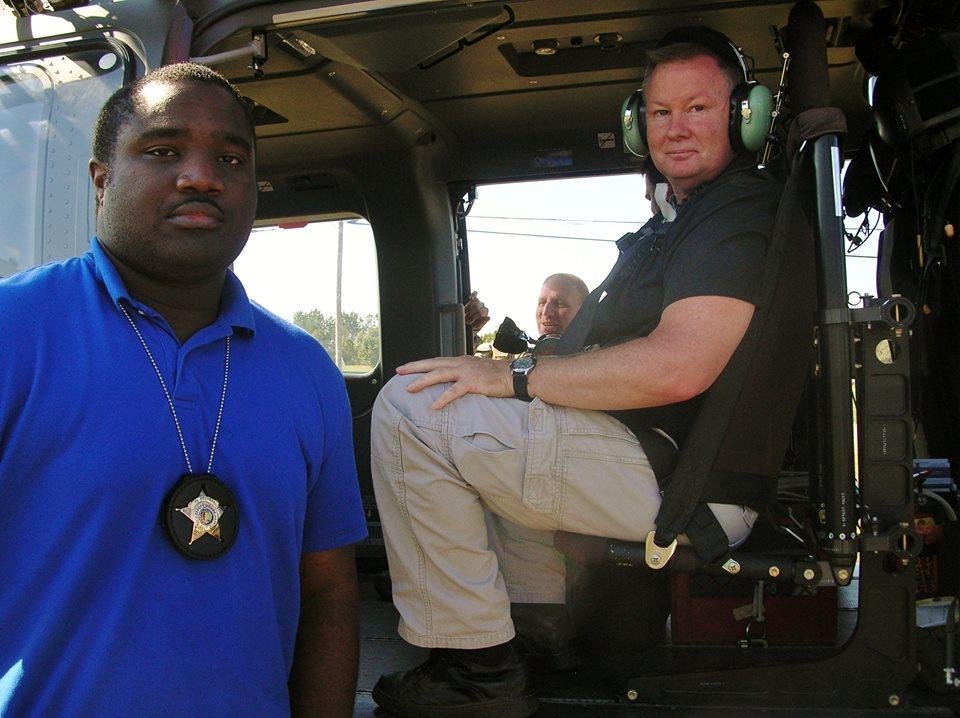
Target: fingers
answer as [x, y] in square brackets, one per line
[475, 312]
[452, 392]
[422, 366]
[481, 321]
[413, 367]
[437, 376]
[472, 307]
[464, 374]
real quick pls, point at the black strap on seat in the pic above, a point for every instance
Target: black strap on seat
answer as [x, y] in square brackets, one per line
[630, 245]
[576, 334]
[739, 487]
[684, 508]
[660, 451]
[743, 424]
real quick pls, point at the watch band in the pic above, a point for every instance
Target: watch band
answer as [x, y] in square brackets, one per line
[520, 386]
[521, 368]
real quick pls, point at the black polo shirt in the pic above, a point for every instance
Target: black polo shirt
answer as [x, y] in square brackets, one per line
[716, 246]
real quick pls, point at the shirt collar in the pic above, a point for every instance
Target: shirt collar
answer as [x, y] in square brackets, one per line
[739, 163]
[235, 308]
[666, 201]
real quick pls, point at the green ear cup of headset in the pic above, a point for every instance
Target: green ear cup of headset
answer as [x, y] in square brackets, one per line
[753, 117]
[632, 124]
[752, 105]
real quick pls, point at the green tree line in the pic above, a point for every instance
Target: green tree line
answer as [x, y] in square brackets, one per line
[359, 337]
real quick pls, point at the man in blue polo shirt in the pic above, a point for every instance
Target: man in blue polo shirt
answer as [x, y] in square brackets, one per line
[176, 465]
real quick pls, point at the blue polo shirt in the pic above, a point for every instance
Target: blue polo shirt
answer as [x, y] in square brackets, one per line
[99, 613]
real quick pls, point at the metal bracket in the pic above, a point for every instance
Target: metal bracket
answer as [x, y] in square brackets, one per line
[897, 312]
[731, 566]
[256, 49]
[807, 573]
[902, 541]
[657, 557]
[865, 315]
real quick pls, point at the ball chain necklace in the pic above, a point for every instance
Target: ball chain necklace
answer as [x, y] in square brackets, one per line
[200, 512]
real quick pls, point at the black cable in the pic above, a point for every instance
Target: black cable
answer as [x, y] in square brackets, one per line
[561, 219]
[544, 236]
[855, 239]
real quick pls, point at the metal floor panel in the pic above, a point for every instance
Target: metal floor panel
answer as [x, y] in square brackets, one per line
[579, 695]
[381, 649]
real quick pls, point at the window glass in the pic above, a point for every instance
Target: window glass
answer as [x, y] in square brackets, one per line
[322, 276]
[47, 111]
[862, 251]
[522, 232]
[863, 245]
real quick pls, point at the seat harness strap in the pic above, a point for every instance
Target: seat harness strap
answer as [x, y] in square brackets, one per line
[683, 510]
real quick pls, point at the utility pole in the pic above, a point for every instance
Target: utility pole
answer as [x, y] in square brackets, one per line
[337, 355]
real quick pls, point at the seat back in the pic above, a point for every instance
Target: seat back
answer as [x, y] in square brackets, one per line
[772, 378]
[735, 449]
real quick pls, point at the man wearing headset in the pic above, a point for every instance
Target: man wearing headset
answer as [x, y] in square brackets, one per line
[552, 444]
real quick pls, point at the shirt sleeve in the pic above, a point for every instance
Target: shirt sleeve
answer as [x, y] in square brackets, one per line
[334, 515]
[723, 256]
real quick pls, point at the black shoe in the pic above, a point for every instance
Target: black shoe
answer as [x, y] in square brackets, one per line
[546, 633]
[455, 683]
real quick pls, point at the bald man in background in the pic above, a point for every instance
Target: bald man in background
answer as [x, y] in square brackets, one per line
[560, 298]
[538, 608]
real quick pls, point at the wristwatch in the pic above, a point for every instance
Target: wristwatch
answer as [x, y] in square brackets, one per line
[521, 368]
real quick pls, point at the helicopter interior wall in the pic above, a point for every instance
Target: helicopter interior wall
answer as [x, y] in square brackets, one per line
[366, 130]
[496, 96]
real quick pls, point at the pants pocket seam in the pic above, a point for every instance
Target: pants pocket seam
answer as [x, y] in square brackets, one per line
[401, 491]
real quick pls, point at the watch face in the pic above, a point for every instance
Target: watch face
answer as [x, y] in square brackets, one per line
[522, 364]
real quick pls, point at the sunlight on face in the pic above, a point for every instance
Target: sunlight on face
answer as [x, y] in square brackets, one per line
[557, 305]
[155, 95]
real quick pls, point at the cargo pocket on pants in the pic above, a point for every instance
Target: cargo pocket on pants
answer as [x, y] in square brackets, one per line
[542, 486]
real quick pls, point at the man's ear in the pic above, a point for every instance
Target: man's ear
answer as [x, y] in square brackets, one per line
[98, 174]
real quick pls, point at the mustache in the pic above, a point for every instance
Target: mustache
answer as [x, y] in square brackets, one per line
[198, 200]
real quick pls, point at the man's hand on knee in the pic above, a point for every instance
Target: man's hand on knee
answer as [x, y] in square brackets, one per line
[466, 374]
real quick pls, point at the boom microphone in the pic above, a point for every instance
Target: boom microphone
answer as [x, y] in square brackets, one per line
[510, 339]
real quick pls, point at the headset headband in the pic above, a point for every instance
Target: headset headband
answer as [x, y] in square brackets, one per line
[751, 104]
[710, 39]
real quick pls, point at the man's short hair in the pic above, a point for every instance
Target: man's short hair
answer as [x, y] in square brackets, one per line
[572, 281]
[681, 51]
[122, 104]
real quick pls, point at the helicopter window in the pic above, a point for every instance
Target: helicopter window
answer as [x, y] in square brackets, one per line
[322, 276]
[48, 105]
[522, 232]
[863, 241]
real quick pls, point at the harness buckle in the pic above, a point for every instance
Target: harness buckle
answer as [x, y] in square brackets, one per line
[656, 557]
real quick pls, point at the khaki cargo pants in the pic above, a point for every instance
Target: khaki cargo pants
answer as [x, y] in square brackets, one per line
[541, 468]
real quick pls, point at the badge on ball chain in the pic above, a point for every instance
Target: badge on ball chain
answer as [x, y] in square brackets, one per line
[200, 515]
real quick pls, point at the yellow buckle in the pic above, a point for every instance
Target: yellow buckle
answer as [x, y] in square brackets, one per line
[658, 556]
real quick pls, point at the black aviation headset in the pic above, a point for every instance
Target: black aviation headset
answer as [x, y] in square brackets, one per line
[751, 104]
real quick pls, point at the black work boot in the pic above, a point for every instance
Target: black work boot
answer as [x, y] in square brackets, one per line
[545, 632]
[481, 683]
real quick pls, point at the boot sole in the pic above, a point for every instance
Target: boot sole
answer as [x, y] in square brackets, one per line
[519, 707]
